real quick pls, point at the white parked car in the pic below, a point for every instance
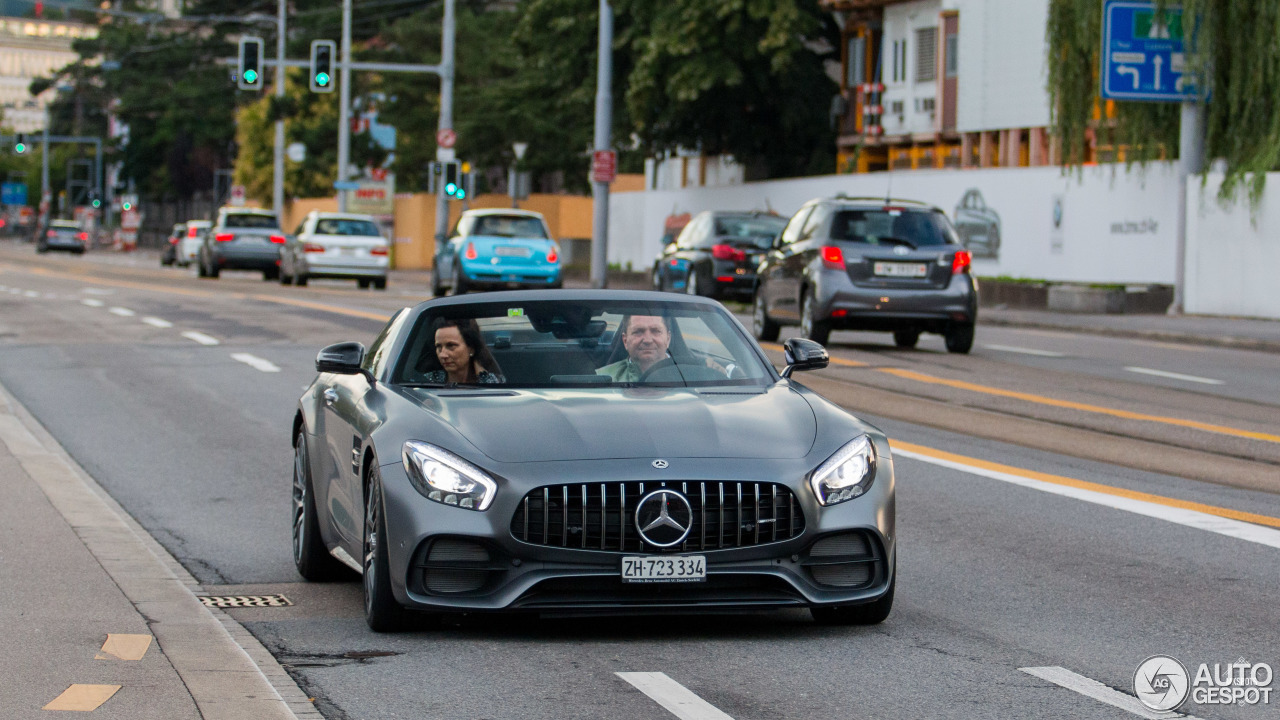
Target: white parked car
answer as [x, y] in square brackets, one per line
[189, 245]
[336, 245]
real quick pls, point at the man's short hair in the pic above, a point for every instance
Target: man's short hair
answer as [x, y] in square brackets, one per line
[626, 323]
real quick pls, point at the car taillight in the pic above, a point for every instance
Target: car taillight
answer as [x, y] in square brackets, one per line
[312, 248]
[961, 262]
[379, 250]
[224, 237]
[833, 257]
[277, 239]
[553, 255]
[471, 251]
[675, 262]
[192, 232]
[174, 241]
[727, 252]
[84, 236]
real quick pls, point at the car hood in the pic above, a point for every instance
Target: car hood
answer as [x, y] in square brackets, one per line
[592, 424]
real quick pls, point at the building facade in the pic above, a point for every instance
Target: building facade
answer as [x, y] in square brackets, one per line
[30, 49]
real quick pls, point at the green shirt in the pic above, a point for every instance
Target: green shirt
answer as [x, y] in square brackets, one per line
[621, 371]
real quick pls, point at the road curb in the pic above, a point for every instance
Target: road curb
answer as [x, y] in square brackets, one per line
[227, 672]
[1234, 343]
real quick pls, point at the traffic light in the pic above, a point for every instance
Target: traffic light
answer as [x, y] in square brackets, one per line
[94, 199]
[20, 145]
[322, 54]
[249, 70]
[453, 180]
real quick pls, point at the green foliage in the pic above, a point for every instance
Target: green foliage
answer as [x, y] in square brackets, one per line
[1232, 43]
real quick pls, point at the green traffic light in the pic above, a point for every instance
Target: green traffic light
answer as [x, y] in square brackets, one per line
[322, 79]
[450, 189]
[126, 206]
[251, 76]
[20, 148]
[462, 194]
[97, 204]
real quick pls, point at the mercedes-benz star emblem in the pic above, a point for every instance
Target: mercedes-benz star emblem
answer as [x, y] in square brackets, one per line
[664, 518]
[901, 250]
[660, 464]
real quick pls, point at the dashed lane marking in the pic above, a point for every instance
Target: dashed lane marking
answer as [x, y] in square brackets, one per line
[157, 322]
[200, 338]
[1174, 376]
[1091, 688]
[91, 302]
[256, 362]
[1024, 351]
[1223, 521]
[124, 647]
[31, 294]
[83, 698]
[122, 312]
[678, 699]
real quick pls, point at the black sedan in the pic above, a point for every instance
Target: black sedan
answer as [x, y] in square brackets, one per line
[62, 235]
[587, 451]
[716, 254]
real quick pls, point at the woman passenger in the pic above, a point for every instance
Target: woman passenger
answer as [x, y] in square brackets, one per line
[464, 357]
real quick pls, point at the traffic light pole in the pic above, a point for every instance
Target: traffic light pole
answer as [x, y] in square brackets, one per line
[344, 105]
[446, 115]
[604, 119]
[277, 183]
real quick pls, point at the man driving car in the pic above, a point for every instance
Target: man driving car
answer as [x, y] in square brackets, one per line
[646, 339]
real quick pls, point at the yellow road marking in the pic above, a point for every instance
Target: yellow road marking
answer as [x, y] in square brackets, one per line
[124, 647]
[322, 307]
[83, 698]
[96, 280]
[1085, 407]
[1085, 485]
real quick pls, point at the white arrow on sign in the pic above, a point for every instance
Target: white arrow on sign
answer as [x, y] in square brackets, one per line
[1126, 70]
[1159, 62]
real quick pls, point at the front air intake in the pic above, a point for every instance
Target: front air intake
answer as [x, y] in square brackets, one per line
[455, 565]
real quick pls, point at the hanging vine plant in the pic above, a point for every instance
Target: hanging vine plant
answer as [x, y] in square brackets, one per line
[1230, 43]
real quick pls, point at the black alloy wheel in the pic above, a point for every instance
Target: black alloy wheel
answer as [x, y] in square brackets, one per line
[309, 553]
[906, 339]
[762, 327]
[381, 611]
[959, 337]
[816, 330]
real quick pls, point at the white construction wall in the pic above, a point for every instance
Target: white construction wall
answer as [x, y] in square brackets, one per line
[1104, 225]
[1233, 253]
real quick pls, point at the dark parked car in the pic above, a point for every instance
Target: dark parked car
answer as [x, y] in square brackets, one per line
[716, 254]
[553, 480]
[169, 252]
[868, 264]
[242, 239]
[62, 235]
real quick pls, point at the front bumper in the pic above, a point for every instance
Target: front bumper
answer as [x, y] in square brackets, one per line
[483, 567]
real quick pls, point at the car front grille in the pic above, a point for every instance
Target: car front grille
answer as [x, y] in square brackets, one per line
[601, 516]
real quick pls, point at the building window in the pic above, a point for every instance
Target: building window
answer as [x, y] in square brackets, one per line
[953, 57]
[856, 65]
[926, 54]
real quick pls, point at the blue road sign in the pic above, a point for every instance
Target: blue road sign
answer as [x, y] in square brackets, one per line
[12, 193]
[1142, 54]
[346, 185]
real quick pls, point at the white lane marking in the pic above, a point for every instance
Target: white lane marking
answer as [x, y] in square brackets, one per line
[99, 291]
[92, 303]
[122, 312]
[1024, 351]
[157, 322]
[673, 696]
[31, 294]
[200, 337]
[255, 362]
[1175, 376]
[1190, 518]
[1088, 687]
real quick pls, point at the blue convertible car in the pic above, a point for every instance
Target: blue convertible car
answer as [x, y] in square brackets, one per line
[497, 248]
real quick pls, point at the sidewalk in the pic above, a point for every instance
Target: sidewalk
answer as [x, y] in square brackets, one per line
[1228, 332]
[98, 617]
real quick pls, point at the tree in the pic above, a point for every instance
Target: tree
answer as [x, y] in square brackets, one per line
[1231, 45]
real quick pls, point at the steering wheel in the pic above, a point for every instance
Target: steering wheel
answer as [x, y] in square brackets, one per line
[657, 368]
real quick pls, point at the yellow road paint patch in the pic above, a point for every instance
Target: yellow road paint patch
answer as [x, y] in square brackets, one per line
[1086, 485]
[124, 647]
[83, 698]
[1085, 407]
[322, 307]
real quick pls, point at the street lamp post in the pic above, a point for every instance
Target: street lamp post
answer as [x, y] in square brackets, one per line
[513, 181]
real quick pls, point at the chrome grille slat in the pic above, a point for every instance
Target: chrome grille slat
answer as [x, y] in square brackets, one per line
[546, 515]
[738, 517]
[564, 524]
[584, 517]
[757, 518]
[604, 514]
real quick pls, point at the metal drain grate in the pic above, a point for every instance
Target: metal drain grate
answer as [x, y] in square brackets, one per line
[240, 601]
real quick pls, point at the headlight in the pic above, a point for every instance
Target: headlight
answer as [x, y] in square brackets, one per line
[847, 474]
[446, 478]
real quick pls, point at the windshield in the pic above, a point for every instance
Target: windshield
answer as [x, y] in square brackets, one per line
[336, 226]
[598, 344]
[892, 226]
[251, 221]
[512, 226]
[758, 230]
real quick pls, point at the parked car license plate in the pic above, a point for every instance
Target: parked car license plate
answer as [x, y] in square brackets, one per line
[512, 251]
[890, 269]
[675, 568]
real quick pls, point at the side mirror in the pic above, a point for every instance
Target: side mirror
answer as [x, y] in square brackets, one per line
[777, 241]
[802, 354]
[343, 359]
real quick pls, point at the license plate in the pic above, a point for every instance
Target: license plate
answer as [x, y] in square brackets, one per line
[676, 568]
[350, 252]
[512, 251]
[889, 269]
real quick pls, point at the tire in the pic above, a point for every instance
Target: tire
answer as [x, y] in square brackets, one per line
[691, 282]
[200, 268]
[300, 280]
[762, 327]
[362, 284]
[818, 331]
[437, 290]
[656, 279]
[872, 613]
[906, 339]
[285, 278]
[380, 284]
[959, 337]
[310, 555]
[381, 611]
[269, 275]
[459, 280]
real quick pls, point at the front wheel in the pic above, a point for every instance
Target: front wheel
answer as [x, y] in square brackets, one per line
[381, 611]
[762, 327]
[959, 337]
[816, 330]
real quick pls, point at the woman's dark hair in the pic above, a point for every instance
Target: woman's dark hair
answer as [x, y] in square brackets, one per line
[470, 332]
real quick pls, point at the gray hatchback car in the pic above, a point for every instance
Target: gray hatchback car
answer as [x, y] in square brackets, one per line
[868, 264]
[242, 239]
